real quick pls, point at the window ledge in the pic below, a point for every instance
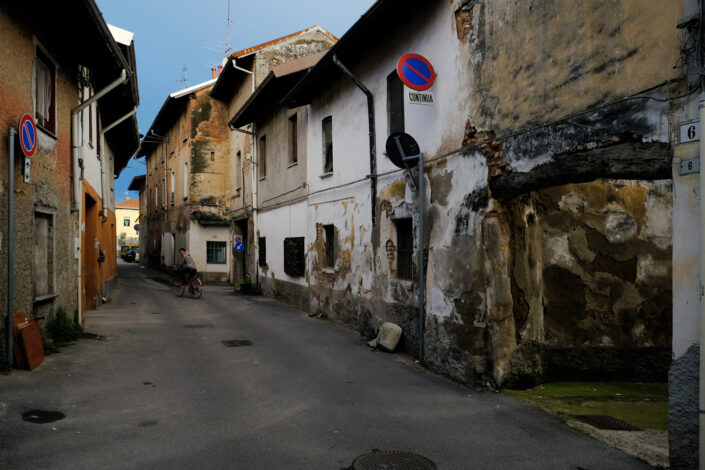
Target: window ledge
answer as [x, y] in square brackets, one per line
[262, 178]
[45, 298]
[47, 132]
[291, 165]
[328, 270]
[326, 175]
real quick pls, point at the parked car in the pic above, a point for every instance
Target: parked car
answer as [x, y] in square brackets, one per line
[132, 255]
[125, 248]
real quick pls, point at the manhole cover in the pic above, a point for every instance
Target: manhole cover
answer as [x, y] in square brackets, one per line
[606, 422]
[392, 460]
[198, 325]
[42, 416]
[94, 336]
[236, 343]
[147, 424]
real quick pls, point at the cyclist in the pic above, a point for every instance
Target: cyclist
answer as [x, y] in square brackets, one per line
[187, 266]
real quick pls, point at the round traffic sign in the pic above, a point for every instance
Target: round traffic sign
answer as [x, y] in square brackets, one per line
[416, 72]
[28, 135]
[400, 145]
[239, 247]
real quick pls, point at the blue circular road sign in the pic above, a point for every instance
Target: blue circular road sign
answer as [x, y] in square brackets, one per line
[416, 72]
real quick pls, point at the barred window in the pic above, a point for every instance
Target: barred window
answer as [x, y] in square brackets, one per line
[329, 235]
[294, 257]
[216, 252]
[405, 248]
[328, 144]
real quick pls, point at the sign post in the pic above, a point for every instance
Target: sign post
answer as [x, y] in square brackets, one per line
[404, 152]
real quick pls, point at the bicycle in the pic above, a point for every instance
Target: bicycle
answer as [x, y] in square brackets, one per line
[193, 285]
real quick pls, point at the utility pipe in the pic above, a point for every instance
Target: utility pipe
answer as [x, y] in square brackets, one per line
[701, 408]
[11, 249]
[77, 165]
[371, 122]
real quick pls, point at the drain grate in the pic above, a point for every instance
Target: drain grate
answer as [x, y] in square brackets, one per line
[198, 325]
[392, 460]
[42, 416]
[606, 422]
[236, 343]
[94, 336]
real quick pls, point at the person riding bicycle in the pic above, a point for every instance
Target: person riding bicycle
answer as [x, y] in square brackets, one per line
[187, 266]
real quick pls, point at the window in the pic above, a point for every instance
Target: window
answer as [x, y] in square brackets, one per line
[262, 255]
[212, 156]
[294, 257]
[126, 222]
[173, 184]
[293, 140]
[395, 103]
[185, 180]
[43, 261]
[90, 125]
[216, 252]
[238, 170]
[329, 240]
[405, 248]
[45, 91]
[263, 156]
[328, 145]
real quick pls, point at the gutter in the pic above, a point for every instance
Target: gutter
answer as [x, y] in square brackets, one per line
[77, 164]
[371, 122]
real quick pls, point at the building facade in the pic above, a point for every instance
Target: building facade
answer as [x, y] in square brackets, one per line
[127, 213]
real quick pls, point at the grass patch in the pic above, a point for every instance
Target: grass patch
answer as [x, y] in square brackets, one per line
[644, 405]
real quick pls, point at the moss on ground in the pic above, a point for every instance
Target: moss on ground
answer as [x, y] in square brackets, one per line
[644, 405]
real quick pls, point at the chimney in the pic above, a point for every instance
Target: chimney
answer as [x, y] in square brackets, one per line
[220, 69]
[213, 72]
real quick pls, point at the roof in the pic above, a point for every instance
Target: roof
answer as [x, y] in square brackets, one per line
[137, 183]
[245, 58]
[122, 36]
[253, 49]
[278, 82]
[173, 106]
[381, 20]
[128, 204]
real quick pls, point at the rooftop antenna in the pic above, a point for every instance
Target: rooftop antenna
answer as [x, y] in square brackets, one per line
[227, 44]
[184, 77]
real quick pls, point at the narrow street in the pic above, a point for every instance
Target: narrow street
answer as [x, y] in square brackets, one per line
[162, 391]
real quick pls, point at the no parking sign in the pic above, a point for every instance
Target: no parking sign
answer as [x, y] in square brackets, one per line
[28, 142]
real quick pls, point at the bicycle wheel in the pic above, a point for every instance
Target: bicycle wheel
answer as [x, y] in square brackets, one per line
[197, 288]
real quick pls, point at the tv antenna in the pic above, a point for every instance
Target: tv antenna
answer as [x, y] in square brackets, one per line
[227, 44]
[184, 76]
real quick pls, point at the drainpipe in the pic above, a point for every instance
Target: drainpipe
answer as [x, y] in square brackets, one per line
[371, 120]
[77, 166]
[9, 331]
[701, 412]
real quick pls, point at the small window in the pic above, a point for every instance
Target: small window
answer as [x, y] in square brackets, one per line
[45, 91]
[212, 156]
[262, 156]
[185, 180]
[126, 222]
[90, 125]
[238, 170]
[173, 185]
[328, 145]
[329, 240]
[294, 257]
[262, 255]
[293, 140]
[405, 248]
[216, 252]
[395, 103]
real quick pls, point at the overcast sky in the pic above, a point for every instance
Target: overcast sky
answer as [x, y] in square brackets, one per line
[170, 34]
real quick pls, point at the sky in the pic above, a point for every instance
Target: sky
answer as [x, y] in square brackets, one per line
[172, 34]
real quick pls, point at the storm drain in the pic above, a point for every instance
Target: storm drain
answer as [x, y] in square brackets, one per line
[392, 460]
[236, 343]
[607, 423]
[42, 416]
[198, 325]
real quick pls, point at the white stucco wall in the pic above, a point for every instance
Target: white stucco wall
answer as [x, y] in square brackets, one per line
[198, 235]
[276, 225]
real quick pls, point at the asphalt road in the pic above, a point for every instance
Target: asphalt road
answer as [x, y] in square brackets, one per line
[162, 391]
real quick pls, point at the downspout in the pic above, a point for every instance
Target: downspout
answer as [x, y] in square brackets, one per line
[373, 145]
[102, 161]
[253, 172]
[77, 167]
[10, 327]
[701, 413]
